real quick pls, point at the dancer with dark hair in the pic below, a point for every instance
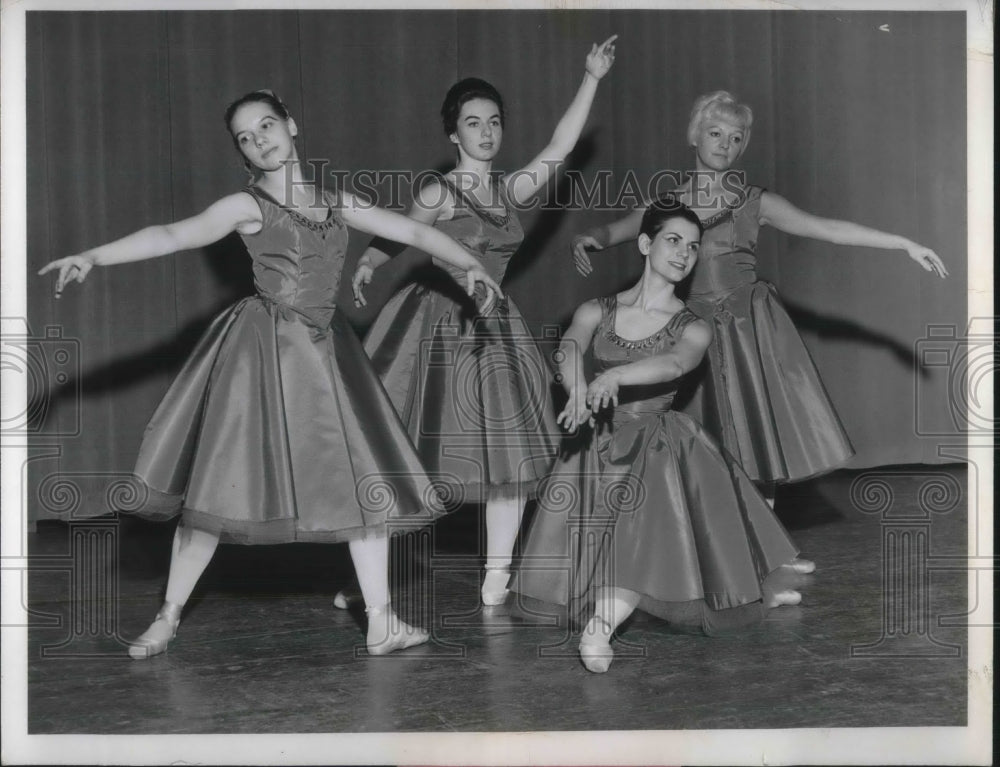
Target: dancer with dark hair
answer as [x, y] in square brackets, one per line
[762, 396]
[474, 395]
[643, 510]
[276, 428]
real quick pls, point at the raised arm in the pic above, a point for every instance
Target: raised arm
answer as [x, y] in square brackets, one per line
[393, 226]
[523, 184]
[237, 211]
[429, 205]
[575, 342]
[781, 214]
[682, 358]
[601, 237]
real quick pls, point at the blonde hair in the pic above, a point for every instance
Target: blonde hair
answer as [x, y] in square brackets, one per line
[719, 104]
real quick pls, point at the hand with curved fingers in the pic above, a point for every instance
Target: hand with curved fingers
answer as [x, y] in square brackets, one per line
[602, 391]
[577, 411]
[493, 291]
[71, 268]
[581, 258]
[601, 58]
[928, 259]
[362, 276]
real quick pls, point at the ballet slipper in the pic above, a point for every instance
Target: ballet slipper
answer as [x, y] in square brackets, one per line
[494, 591]
[596, 652]
[799, 565]
[786, 597]
[346, 597]
[155, 639]
[387, 633]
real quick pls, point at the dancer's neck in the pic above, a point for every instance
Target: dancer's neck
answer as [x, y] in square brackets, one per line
[653, 293]
[288, 185]
[474, 174]
[706, 189]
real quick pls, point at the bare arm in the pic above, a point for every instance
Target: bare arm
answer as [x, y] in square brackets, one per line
[684, 357]
[237, 211]
[427, 208]
[576, 341]
[601, 237]
[523, 184]
[393, 226]
[782, 215]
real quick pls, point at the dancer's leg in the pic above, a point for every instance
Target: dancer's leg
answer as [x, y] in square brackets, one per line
[612, 607]
[799, 565]
[386, 632]
[192, 550]
[503, 520]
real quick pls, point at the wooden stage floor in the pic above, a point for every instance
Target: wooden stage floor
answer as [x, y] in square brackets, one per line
[262, 650]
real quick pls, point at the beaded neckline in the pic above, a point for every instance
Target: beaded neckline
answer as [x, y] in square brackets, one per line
[639, 343]
[316, 226]
[729, 210]
[494, 218]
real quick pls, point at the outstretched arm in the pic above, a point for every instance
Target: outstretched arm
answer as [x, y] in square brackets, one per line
[237, 211]
[684, 357]
[781, 214]
[393, 226]
[427, 208]
[601, 237]
[575, 342]
[523, 184]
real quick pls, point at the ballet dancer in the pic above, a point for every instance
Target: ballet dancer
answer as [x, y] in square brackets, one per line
[483, 421]
[277, 428]
[643, 509]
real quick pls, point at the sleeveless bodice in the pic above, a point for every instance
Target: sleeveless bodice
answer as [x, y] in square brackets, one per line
[297, 262]
[728, 255]
[610, 351]
[491, 238]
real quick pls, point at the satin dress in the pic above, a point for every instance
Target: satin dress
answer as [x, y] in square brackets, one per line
[473, 391]
[645, 501]
[761, 396]
[277, 428]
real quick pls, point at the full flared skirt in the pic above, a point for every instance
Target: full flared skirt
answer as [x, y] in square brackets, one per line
[761, 396]
[653, 506]
[473, 391]
[276, 431]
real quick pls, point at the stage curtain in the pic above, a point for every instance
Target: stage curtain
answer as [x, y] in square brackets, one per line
[858, 115]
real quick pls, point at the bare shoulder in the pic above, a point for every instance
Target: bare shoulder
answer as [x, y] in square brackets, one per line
[241, 202]
[773, 205]
[239, 211]
[589, 311]
[698, 333]
[436, 199]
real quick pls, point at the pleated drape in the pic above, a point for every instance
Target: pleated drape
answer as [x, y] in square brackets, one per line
[858, 115]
